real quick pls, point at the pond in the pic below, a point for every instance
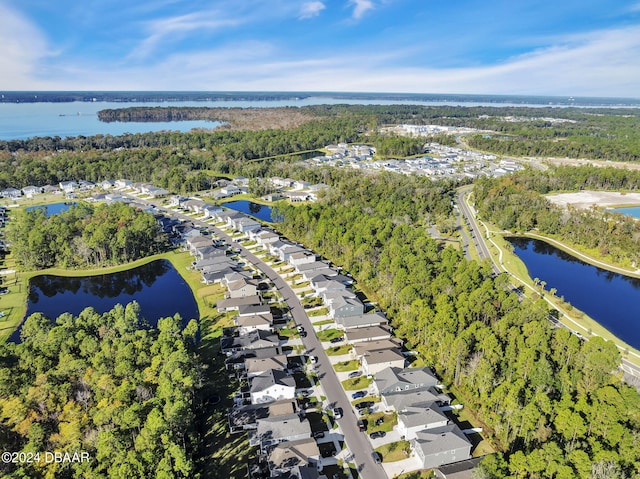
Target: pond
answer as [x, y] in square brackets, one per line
[629, 211]
[54, 208]
[611, 299]
[156, 286]
[262, 212]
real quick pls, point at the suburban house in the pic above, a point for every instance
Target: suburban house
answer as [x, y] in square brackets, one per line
[197, 241]
[244, 225]
[29, 191]
[399, 401]
[272, 385]
[123, 184]
[368, 333]
[252, 340]
[234, 304]
[243, 418]
[68, 186]
[362, 348]
[289, 454]
[230, 190]
[258, 366]
[11, 193]
[302, 257]
[413, 419]
[250, 310]
[208, 251]
[274, 430]
[394, 380]
[242, 288]
[253, 322]
[106, 184]
[459, 470]
[441, 445]
[362, 320]
[210, 264]
[376, 360]
[344, 306]
[297, 196]
[265, 237]
[312, 266]
[236, 360]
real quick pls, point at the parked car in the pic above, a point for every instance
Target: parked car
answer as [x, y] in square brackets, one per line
[337, 340]
[300, 329]
[359, 394]
[313, 359]
[318, 434]
[355, 374]
[361, 425]
[364, 404]
[338, 412]
[377, 434]
[379, 421]
[303, 334]
[377, 457]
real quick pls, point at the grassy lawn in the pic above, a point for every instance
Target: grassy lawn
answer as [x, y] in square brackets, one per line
[394, 451]
[390, 420]
[423, 474]
[318, 312]
[312, 302]
[288, 333]
[356, 383]
[323, 322]
[343, 366]
[338, 350]
[329, 334]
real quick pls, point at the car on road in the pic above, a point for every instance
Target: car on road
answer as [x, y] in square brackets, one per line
[364, 404]
[338, 412]
[300, 329]
[337, 340]
[355, 374]
[377, 434]
[303, 334]
[313, 359]
[359, 394]
[377, 457]
[361, 425]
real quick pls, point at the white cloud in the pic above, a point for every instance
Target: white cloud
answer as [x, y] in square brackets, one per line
[22, 48]
[311, 9]
[360, 7]
[178, 26]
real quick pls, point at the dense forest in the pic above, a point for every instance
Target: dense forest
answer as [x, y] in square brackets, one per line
[551, 401]
[102, 384]
[515, 203]
[84, 236]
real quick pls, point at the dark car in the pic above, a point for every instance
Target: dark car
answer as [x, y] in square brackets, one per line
[377, 434]
[361, 425]
[338, 412]
[377, 457]
[318, 434]
[359, 394]
[303, 334]
[364, 404]
[355, 374]
[337, 340]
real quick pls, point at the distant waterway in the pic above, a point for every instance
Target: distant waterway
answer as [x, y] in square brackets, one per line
[22, 120]
[611, 299]
[262, 212]
[156, 286]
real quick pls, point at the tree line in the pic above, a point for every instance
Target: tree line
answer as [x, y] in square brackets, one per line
[102, 384]
[552, 403]
[84, 236]
[516, 203]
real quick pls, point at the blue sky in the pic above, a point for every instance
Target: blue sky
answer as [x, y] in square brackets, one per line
[537, 47]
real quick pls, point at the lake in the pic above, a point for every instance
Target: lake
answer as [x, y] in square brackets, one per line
[262, 212]
[629, 211]
[53, 209]
[19, 121]
[156, 286]
[611, 299]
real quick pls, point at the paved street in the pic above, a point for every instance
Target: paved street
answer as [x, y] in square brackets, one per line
[357, 442]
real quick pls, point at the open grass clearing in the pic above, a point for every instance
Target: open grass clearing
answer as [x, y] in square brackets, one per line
[394, 451]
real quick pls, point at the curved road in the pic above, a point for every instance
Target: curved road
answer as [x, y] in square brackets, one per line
[357, 442]
[626, 366]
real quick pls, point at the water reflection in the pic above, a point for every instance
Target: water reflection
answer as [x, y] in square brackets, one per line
[156, 286]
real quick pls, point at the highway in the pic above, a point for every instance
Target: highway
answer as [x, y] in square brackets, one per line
[483, 252]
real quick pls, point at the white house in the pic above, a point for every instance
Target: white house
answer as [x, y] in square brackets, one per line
[379, 359]
[272, 385]
[413, 419]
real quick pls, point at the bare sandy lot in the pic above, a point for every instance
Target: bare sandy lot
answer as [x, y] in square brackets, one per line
[586, 199]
